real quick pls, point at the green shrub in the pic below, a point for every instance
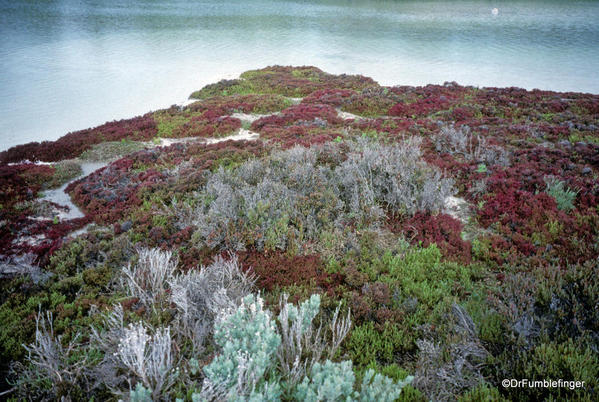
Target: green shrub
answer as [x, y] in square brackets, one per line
[335, 382]
[249, 340]
[420, 274]
[140, 394]
[489, 322]
[564, 196]
[550, 360]
[17, 324]
[482, 393]
[367, 345]
[397, 374]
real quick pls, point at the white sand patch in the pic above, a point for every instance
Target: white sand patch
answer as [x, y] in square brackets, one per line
[250, 118]
[34, 163]
[348, 116]
[242, 135]
[166, 142]
[457, 208]
[295, 101]
[90, 167]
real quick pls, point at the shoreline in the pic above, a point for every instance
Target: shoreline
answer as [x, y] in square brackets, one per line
[231, 76]
[171, 127]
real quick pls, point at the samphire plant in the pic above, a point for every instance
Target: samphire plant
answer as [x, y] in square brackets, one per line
[564, 196]
[217, 342]
[246, 367]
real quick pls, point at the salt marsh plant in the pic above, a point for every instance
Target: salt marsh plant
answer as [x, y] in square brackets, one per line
[336, 381]
[51, 370]
[302, 344]
[147, 279]
[391, 177]
[246, 367]
[298, 193]
[564, 196]
[200, 294]
[470, 146]
[142, 353]
[149, 357]
[446, 370]
[248, 339]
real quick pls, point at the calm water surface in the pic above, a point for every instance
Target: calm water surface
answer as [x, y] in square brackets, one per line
[67, 65]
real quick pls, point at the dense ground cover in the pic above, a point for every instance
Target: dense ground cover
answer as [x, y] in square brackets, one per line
[437, 239]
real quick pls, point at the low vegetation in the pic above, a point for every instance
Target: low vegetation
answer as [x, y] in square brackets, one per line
[374, 243]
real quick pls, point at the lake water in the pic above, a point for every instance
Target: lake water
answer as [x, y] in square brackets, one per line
[67, 65]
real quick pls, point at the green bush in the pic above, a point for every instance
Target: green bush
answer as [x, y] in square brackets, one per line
[397, 374]
[550, 360]
[367, 345]
[335, 382]
[419, 273]
[482, 393]
[245, 368]
[564, 196]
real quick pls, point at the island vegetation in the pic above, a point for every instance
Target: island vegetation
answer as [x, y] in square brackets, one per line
[298, 235]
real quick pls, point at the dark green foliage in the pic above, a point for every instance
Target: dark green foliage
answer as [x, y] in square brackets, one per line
[17, 315]
[483, 393]
[568, 361]
[367, 345]
[82, 270]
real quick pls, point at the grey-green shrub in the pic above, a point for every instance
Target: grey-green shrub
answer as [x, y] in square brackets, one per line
[246, 369]
[380, 388]
[293, 195]
[472, 147]
[200, 294]
[50, 365]
[564, 196]
[327, 382]
[447, 369]
[393, 176]
[302, 344]
[141, 353]
[147, 279]
[150, 357]
[335, 382]
[140, 394]
[249, 340]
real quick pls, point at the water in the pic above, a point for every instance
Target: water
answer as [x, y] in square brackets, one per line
[67, 65]
[61, 197]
